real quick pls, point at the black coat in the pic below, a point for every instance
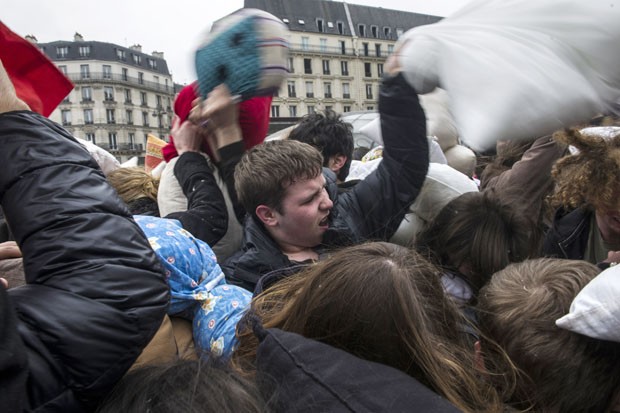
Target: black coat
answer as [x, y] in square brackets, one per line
[374, 208]
[95, 292]
[568, 236]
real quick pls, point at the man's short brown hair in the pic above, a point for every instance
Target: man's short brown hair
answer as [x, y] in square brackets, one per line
[265, 171]
[562, 371]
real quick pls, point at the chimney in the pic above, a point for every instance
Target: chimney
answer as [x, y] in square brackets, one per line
[159, 55]
[78, 37]
[136, 47]
[31, 38]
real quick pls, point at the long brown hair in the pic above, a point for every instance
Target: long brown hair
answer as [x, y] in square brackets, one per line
[383, 303]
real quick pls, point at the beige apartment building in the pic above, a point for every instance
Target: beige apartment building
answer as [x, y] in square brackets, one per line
[121, 94]
[337, 53]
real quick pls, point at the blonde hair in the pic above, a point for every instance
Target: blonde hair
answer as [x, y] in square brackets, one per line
[134, 183]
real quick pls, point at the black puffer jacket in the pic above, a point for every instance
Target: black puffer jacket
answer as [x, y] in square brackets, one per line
[95, 292]
[374, 208]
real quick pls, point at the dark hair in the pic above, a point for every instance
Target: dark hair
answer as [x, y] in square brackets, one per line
[265, 171]
[562, 371]
[481, 231]
[329, 134]
[381, 302]
[192, 386]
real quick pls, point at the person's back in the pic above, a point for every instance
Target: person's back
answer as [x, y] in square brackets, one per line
[295, 210]
[562, 371]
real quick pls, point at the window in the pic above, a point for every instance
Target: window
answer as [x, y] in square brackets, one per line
[145, 118]
[110, 115]
[368, 91]
[361, 30]
[340, 26]
[365, 49]
[137, 59]
[112, 140]
[344, 68]
[292, 111]
[141, 78]
[63, 69]
[84, 51]
[399, 32]
[125, 72]
[305, 43]
[291, 67]
[346, 108]
[84, 71]
[88, 116]
[327, 89]
[377, 49]
[90, 137]
[387, 32]
[307, 66]
[275, 111]
[62, 51]
[390, 48]
[323, 45]
[132, 140]
[107, 72]
[129, 116]
[320, 25]
[143, 100]
[329, 107]
[379, 69]
[120, 54]
[370, 108]
[156, 79]
[108, 93]
[374, 31]
[311, 109]
[158, 101]
[291, 89]
[343, 47]
[367, 71]
[309, 90]
[152, 63]
[66, 117]
[87, 94]
[346, 93]
[127, 95]
[325, 67]
[166, 82]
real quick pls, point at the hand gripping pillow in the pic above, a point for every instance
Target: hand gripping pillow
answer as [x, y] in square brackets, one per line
[518, 69]
[247, 51]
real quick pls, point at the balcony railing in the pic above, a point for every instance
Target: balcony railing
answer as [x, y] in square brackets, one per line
[297, 47]
[95, 77]
[125, 147]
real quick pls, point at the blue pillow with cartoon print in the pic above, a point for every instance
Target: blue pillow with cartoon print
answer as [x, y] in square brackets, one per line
[198, 288]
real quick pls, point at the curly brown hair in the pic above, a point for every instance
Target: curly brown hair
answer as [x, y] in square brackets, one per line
[590, 177]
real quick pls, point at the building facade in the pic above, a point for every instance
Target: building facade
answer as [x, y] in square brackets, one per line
[337, 53]
[121, 94]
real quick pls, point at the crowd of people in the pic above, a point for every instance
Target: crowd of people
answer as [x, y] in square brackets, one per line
[254, 276]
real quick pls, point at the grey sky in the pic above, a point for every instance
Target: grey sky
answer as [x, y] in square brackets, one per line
[173, 27]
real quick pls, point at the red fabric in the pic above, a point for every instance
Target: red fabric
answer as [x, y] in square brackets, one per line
[253, 119]
[37, 80]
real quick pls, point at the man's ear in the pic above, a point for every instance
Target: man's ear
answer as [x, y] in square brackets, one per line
[267, 215]
[336, 162]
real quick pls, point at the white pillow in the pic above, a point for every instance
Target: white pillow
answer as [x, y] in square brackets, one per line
[595, 311]
[517, 69]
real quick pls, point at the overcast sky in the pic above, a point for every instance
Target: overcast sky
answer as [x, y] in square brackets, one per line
[174, 27]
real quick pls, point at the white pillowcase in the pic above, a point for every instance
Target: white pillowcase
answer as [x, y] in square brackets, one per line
[595, 311]
[518, 69]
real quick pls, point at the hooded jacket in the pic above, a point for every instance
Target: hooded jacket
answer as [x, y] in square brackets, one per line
[372, 209]
[95, 292]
